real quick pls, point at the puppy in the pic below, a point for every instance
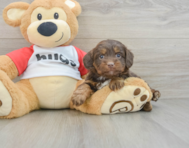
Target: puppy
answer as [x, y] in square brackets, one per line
[108, 64]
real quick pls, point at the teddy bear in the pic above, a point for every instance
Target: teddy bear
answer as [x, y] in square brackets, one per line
[51, 69]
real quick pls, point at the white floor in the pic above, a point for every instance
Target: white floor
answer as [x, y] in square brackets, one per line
[165, 127]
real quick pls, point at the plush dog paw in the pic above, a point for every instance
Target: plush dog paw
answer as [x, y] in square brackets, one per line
[147, 107]
[5, 101]
[128, 99]
[116, 84]
[156, 95]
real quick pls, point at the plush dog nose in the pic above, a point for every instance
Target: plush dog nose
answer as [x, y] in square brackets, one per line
[47, 29]
[110, 64]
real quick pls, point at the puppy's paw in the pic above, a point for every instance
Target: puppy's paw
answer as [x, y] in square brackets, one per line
[78, 99]
[156, 95]
[116, 84]
[81, 94]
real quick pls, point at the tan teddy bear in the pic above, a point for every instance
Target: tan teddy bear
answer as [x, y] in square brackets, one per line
[51, 69]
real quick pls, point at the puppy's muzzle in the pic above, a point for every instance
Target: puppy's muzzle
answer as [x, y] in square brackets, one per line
[47, 29]
[110, 64]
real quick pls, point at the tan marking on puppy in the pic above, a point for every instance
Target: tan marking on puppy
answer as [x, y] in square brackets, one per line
[97, 69]
[103, 51]
[116, 49]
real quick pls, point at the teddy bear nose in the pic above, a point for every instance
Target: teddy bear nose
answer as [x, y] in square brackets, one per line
[47, 29]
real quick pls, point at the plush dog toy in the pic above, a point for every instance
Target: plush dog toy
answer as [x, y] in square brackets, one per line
[51, 69]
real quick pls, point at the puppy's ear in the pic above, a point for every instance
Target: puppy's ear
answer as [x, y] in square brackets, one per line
[129, 58]
[88, 60]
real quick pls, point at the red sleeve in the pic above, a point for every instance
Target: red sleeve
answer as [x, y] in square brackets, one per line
[81, 55]
[21, 57]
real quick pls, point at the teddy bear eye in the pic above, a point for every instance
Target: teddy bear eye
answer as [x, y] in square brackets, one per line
[56, 15]
[39, 16]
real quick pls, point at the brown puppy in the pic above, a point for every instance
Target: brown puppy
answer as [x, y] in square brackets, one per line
[108, 63]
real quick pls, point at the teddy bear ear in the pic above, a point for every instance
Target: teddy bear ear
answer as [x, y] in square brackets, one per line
[74, 6]
[12, 14]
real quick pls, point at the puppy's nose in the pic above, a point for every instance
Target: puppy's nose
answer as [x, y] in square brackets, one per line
[110, 64]
[47, 29]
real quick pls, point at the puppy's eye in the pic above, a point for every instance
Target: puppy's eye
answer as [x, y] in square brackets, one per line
[39, 16]
[56, 15]
[101, 57]
[118, 55]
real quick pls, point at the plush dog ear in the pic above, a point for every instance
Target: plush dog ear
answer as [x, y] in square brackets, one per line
[12, 14]
[74, 6]
[88, 60]
[129, 58]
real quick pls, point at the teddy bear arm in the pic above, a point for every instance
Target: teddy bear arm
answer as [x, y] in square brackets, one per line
[8, 66]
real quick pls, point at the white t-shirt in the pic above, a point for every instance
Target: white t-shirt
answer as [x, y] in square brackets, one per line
[59, 61]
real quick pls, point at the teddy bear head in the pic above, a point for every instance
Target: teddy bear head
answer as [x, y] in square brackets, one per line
[46, 23]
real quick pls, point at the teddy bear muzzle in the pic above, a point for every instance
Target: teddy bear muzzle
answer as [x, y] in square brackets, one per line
[49, 33]
[47, 28]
